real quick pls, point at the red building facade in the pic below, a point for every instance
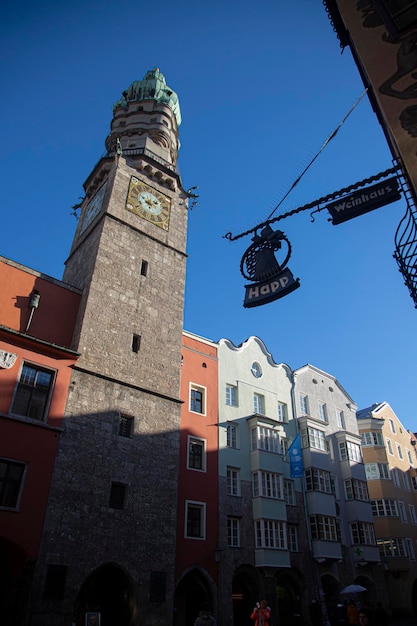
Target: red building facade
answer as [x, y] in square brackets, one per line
[197, 555]
[35, 370]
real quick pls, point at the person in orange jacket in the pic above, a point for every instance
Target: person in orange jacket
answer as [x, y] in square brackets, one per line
[261, 614]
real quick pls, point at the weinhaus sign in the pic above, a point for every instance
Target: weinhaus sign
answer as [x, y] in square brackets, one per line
[363, 201]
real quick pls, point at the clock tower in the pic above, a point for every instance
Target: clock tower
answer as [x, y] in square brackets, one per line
[109, 535]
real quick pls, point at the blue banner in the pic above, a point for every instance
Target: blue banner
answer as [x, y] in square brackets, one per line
[296, 458]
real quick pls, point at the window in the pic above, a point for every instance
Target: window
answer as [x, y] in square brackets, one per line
[264, 438]
[117, 496]
[356, 490]
[233, 481]
[125, 425]
[410, 549]
[373, 438]
[391, 547]
[406, 481]
[56, 576]
[350, 451]
[270, 534]
[362, 533]
[11, 482]
[33, 392]
[196, 454]
[313, 438]
[285, 444]
[233, 532]
[231, 395]
[231, 436]
[195, 520]
[289, 492]
[267, 485]
[322, 412]
[384, 508]
[157, 586]
[401, 509]
[395, 477]
[409, 457]
[144, 268]
[399, 452]
[282, 412]
[256, 370]
[340, 419]
[392, 426]
[412, 512]
[376, 471]
[258, 404]
[197, 399]
[292, 538]
[414, 482]
[324, 528]
[389, 446]
[319, 480]
[303, 404]
[136, 339]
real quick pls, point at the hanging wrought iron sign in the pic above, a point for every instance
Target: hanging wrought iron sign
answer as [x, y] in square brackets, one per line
[271, 280]
[364, 201]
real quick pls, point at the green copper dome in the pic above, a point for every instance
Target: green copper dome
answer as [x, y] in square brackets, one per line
[152, 87]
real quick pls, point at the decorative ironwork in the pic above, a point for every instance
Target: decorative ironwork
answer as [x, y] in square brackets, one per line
[317, 203]
[406, 240]
[273, 279]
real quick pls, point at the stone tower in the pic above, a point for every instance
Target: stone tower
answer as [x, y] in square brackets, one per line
[109, 536]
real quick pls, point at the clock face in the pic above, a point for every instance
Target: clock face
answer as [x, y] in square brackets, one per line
[149, 203]
[93, 207]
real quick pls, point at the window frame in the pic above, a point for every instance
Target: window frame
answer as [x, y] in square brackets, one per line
[231, 435]
[270, 534]
[233, 532]
[200, 506]
[21, 386]
[322, 412]
[4, 482]
[231, 395]
[303, 404]
[266, 484]
[197, 441]
[233, 481]
[282, 412]
[258, 403]
[193, 401]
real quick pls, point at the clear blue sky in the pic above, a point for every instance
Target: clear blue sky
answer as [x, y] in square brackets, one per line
[261, 86]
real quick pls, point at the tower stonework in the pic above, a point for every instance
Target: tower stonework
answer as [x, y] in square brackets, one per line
[110, 526]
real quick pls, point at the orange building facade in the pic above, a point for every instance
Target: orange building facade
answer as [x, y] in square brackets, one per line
[37, 317]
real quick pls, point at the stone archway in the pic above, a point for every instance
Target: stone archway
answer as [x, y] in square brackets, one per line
[414, 597]
[330, 585]
[246, 590]
[194, 592]
[290, 586]
[109, 590]
[16, 572]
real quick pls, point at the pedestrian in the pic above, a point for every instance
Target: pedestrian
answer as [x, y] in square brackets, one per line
[205, 618]
[316, 615]
[381, 617]
[352, 613]
[341, 614]
[261, 614]
[365, 617]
